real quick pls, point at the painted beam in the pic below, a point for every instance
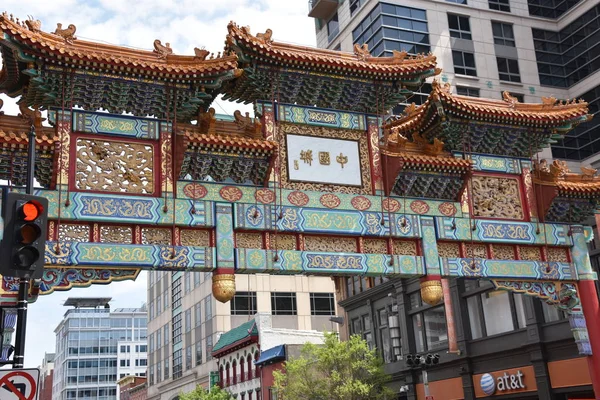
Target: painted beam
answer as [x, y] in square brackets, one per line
[506, 269]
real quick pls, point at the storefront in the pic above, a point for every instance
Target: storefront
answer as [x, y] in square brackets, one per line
[569, 380]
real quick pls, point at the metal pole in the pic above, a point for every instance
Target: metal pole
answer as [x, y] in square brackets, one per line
[19, 356]
[425, 383]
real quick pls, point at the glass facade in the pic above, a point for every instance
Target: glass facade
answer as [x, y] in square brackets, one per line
[389, 27]
[550, 8]
[568, 56]
[584, 140]
[94, 348]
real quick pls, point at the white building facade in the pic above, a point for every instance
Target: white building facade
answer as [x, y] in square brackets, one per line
[88, 338]
[185, 320]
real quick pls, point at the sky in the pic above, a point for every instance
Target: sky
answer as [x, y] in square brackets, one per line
[184, 24]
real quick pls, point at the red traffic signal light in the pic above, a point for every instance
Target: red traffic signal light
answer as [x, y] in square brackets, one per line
[24, 241]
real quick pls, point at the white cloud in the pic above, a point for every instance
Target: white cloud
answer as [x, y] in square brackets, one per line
[185, 24]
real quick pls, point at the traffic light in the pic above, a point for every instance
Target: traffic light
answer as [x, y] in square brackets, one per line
[24, 240]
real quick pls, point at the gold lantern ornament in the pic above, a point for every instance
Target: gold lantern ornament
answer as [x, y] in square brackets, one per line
[223, 287]
[431, 291]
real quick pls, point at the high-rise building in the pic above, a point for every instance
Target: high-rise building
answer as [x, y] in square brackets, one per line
[184, 320]
[532, 49]
[46, 376]
[91, 342]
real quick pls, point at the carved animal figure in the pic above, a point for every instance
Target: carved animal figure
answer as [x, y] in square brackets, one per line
[34, 25]
[362, 52]
[68, 34]
[265, 37]
[99, 151]
[162, 50]
[588, 172]
[201, 54]
[399, 55]
[251, 128]
[509, 99]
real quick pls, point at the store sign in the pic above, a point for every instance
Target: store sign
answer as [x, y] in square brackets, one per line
[503, 382]
[490, 384]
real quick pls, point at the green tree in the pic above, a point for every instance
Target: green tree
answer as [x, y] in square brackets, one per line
[203, 394]
[334, 371]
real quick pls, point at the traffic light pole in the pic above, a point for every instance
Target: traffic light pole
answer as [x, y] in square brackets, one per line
[19, 354]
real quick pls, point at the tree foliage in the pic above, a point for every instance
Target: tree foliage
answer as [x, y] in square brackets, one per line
[334, 371]
[203, 394]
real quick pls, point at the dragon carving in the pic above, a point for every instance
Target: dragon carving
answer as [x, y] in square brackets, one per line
[162, 50]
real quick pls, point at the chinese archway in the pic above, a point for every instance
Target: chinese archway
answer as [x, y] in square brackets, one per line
[142, 175]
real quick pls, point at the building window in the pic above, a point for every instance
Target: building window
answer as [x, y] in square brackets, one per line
[550, 8]
[389, 27]
[500, 5]
[166, 298]
[158, 305]
[209, 346]
[322, 304]
[208, 308]
[244, 303]
[198, 314]
[198, 351]
[457, 1]
[142, 362]
[124, 363]
[177, 364]
[362, 326]
[429, 328]
[187, 282]
[552, 313]
[125, 349]
[176, 293]
[385, 341]
[151, 375]
[467, 91]
[188, 357]
[177, 329]
[166, 334]
[494, 312]
[283, 304]
[459, 26]
[508, 69]
[333, 27]
[188, 320]
[197, 279]
[464, 63]
[159, 376]
[503, 34]
[355, 5]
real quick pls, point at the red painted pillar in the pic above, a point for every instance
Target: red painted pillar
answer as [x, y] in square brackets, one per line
[591, 311]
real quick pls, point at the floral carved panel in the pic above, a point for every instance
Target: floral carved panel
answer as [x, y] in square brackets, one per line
[109, 166]
[247, 240]
[195, 237]
[115, 234]
[330, 244]
[405, 247]
[376, 246]
[448, 250]
[284, 241]
[74, 233]
[496, 198]
[156, 236]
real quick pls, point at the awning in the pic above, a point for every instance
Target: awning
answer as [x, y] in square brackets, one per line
[271, 355]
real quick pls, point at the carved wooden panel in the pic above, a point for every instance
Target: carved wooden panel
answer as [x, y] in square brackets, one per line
[504, 252]
[448, 250]
[156, 236]
[558, 254]
[377, 246]
[74, 233]
[496, 197]
[330, 244]
[283, 242]
[246, 240]
[405, 247]
[475, 250]
[110, 166]
[195, 237]
[530, 253]
[115, 234]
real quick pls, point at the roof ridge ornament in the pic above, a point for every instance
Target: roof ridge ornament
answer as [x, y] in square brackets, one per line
[68, 34]
[511, 100]
[362, 52]
[265, 38]
[162, 51]
[201, 54]
[34, 25]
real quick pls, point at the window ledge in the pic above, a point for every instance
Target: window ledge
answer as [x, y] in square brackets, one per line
[511, 83]
[461, 76]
